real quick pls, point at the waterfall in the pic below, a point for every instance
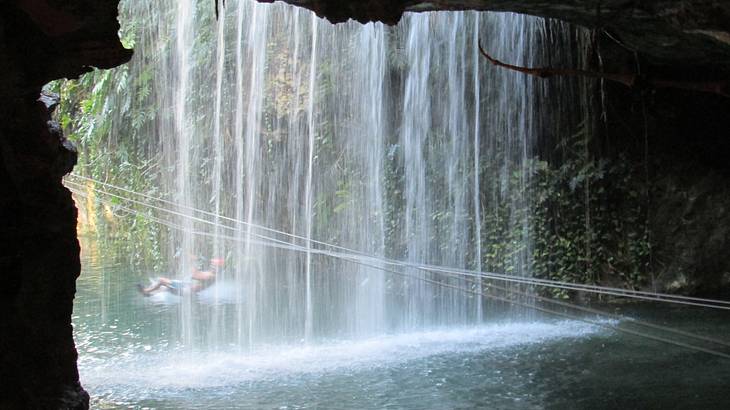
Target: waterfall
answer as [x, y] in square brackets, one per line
[311, 130]
[476, 154]
[183, 176]
[397, 142]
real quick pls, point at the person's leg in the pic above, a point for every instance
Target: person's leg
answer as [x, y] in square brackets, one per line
[160, 283]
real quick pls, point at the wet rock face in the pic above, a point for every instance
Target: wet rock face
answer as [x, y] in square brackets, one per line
[690, 216]
[41, 40]
[39, 263]
[688, 32]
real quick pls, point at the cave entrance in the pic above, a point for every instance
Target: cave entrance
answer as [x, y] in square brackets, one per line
[348, 187]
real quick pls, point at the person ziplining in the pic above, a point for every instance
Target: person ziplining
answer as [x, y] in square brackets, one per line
[199, 280]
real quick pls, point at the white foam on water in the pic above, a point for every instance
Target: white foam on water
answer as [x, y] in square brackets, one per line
[169, 371]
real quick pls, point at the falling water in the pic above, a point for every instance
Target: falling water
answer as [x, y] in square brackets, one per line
[476, 155]
[311, 130]
[398, 142]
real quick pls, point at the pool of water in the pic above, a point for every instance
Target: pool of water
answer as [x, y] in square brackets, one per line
[128, 358]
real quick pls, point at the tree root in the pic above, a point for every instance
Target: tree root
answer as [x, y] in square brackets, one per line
[629, 80]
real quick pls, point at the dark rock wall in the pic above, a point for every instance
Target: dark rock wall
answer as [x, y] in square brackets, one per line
[680, 31]
[679, 143]
[39, 252]
[40, 263]
[689, 157]
[691, 229]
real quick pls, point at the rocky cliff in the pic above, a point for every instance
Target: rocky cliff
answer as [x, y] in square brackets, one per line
[693, 32]
[39, 253]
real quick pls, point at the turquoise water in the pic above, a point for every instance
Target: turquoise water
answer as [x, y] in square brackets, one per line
[129, 358]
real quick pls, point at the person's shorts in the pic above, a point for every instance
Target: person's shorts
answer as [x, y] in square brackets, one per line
[178, 285]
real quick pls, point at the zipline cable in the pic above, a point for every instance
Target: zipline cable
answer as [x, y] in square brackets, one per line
[617, 328]
[567, 315]
[351, 258]
[702, 302]
[431, 268]
[273, 243]
[642, 295]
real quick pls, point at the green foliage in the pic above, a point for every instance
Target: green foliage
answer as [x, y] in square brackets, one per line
[581, 221]
[108, 115]
[590, 222]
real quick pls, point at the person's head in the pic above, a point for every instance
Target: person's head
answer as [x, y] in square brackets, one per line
[217, 264]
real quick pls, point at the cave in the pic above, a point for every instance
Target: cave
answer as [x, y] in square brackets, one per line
[674, 131]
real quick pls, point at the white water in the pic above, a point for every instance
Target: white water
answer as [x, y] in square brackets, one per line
[147, 372]
[399, 142]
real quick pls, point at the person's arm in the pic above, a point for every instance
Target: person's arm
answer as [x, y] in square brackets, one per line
[203, 275]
